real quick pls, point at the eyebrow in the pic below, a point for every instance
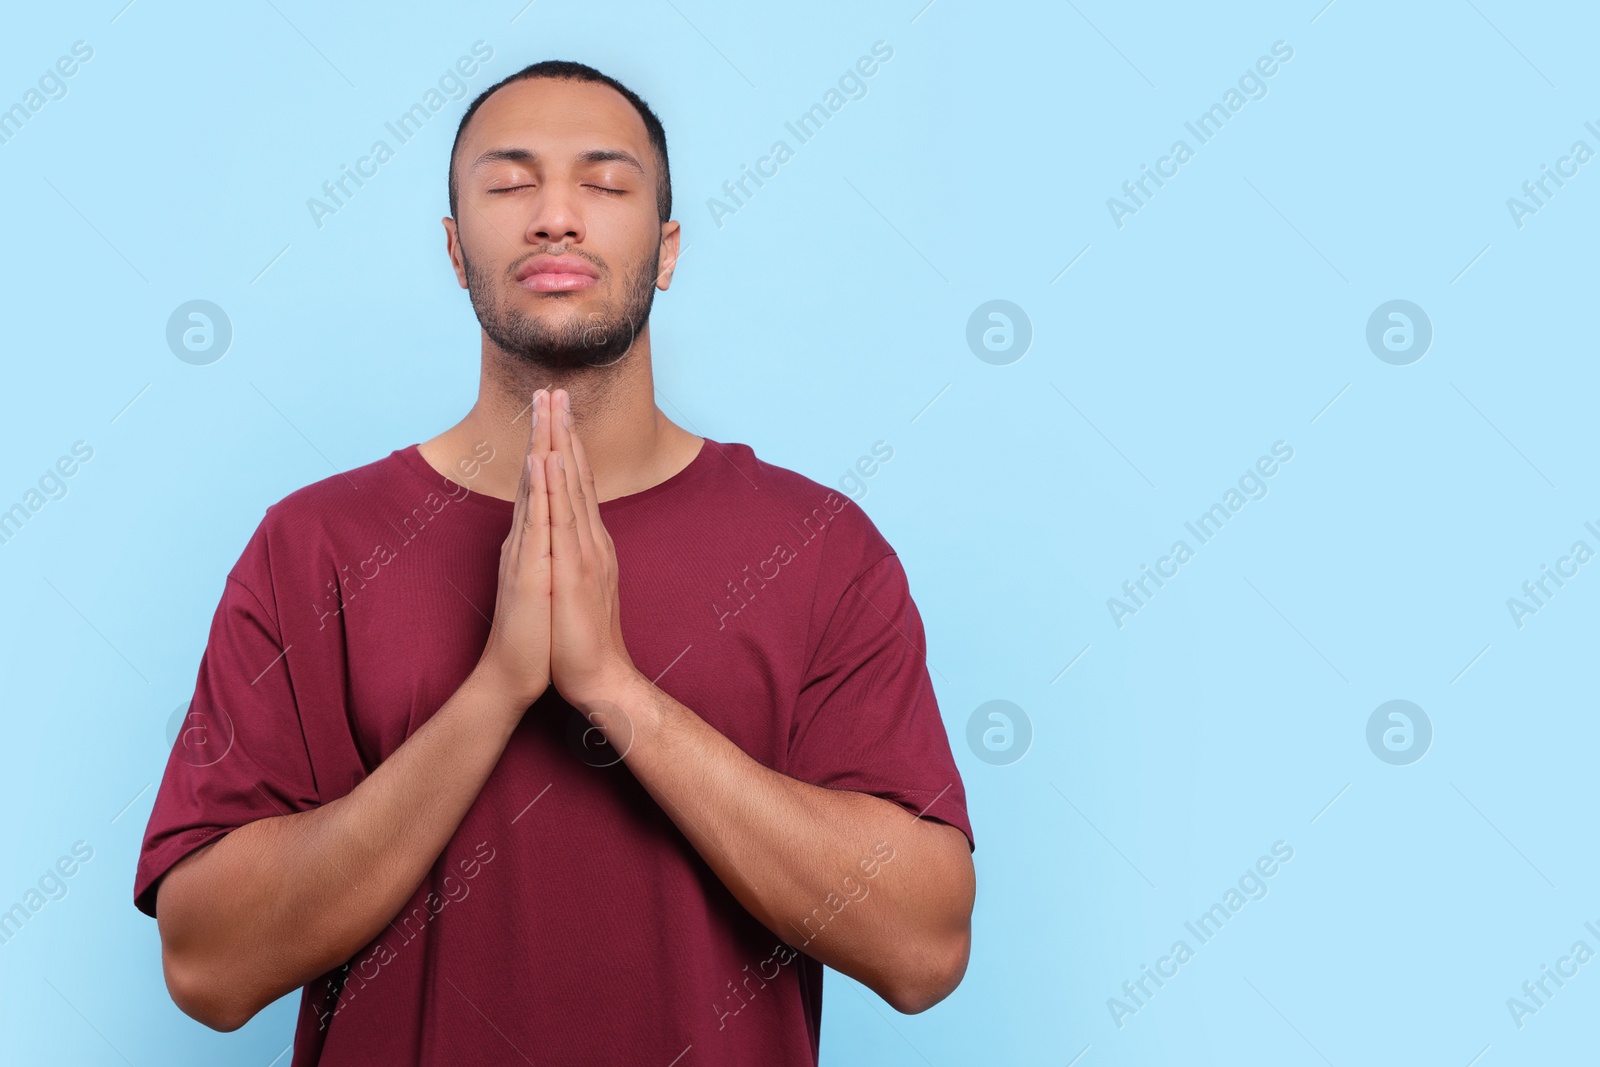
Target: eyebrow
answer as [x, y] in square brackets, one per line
[524, 155]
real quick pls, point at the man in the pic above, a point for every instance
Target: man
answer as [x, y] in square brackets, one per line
[568, 736]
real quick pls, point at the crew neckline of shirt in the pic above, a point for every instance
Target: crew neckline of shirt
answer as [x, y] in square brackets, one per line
[411, 458]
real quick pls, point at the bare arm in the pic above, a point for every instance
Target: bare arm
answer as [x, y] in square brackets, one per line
[801, 858]
[280, 901]
[853, 880]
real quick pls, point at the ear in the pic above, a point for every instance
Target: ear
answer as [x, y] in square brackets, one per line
[667, 259]
[452, 247]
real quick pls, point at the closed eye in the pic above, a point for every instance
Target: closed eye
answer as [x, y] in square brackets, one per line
[514, 188]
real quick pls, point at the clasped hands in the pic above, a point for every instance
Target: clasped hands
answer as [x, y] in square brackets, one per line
[556, 615]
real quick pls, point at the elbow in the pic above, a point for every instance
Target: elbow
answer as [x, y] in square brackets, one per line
[203, 998]
[203, 978]
[920, 988]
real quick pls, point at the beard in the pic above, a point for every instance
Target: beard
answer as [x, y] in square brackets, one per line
[571, 340]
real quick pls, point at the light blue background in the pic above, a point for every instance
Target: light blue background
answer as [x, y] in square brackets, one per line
[1227, 314]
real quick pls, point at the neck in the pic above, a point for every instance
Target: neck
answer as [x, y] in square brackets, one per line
[630, 444]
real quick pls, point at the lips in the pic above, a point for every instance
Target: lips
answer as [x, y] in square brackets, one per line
[554, 274]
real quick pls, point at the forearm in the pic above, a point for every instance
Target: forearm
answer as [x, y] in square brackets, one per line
[785, 849]
[855, 881]
[277, 902]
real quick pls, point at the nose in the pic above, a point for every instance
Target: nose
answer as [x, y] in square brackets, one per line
[555, 215]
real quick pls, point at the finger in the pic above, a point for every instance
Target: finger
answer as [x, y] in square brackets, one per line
[538, 425]
[537, 546]
[540, 433]
[519, 507]
[565, 548]
[562, 440]
[591, 495]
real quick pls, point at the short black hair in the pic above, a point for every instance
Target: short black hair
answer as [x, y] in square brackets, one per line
[565, 70]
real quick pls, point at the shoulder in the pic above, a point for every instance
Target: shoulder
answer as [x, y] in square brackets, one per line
[328, 514]
[347, 492]
[828, 515]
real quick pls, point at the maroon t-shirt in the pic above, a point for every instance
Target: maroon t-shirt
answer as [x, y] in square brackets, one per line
[568, 922]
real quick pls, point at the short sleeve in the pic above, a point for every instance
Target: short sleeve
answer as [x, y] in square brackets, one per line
[240, 754]
[867, 719]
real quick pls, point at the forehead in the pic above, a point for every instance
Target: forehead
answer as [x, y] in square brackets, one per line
[556, 119]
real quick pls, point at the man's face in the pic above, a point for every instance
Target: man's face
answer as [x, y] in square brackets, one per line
[559, 243]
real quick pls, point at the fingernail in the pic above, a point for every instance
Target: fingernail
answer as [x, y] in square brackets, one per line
[561, 461]
[566, 420]
[566, 401]
[535, 419]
